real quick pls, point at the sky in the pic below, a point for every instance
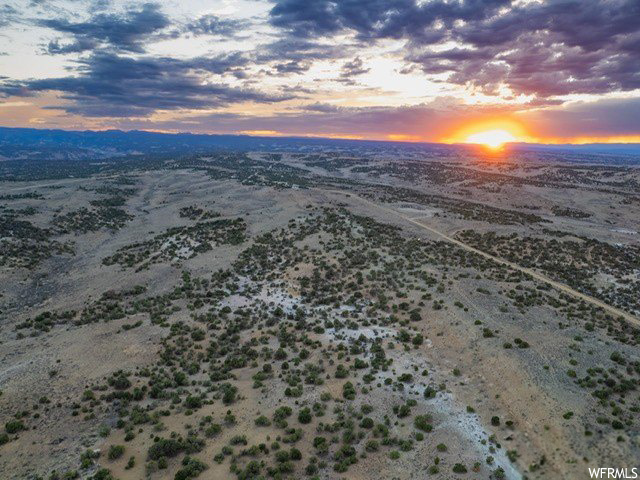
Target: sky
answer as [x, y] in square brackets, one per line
[557, 71]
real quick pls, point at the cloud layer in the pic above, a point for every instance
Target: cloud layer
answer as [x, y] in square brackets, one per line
[553, 48]
[128, 32]
[312, 62]
[110, 85]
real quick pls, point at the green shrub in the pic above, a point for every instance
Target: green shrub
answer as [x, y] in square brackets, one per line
[165, 447]
[372, 446]
[366, 422]
[191, 468]
[459, 468]
[262, 421]
[304, 416]
[115, 452]
[423, 422]
[348, 391]
[14, 426]
[193, 402]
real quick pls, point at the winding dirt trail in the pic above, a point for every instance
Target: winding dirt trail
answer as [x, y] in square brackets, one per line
[533, 273]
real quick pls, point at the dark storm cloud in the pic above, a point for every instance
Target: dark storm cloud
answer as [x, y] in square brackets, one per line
[552, 48]
[292, 67]
[555, 48]
[295, 49]
[352, 69]
[214, 25]
[294, 55]
[321, 107]
[376, 19]
[8, 15]
[127, 32]
[109, 85]
[219, 64]
[54, 47]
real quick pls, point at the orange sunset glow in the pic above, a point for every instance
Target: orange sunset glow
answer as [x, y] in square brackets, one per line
[493, 139]
[495, 133]
[492, 133]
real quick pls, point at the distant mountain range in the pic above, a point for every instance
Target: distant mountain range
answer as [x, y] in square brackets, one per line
[34, 144]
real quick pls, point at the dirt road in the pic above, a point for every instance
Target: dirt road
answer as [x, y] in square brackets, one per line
[533, 273]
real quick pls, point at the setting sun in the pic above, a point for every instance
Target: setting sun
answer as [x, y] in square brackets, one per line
[493, 139]
[493, 133]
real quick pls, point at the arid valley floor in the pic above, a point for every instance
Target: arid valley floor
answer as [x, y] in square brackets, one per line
[319, 315]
